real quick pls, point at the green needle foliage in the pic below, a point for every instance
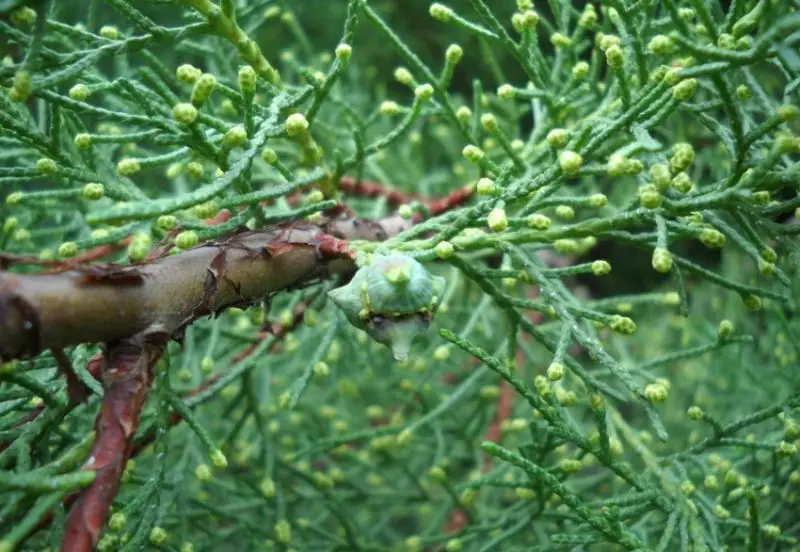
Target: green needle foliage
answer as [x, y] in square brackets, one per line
[613, 363]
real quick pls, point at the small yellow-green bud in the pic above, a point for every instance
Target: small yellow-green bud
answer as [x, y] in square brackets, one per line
[489, 392]
[456, 545]
[489, 122]
[203, 88]
[711, 237]
[580, 70]
[682, 157]
[567, 246]
[766, 268]
[539, 222]
[695, 413]
[423, 93]
[453, 54]
[555, 372]
[21, 235]
[661, 45]
[174, 170]
[46, 166]
[598, 200]
[753, 303]
[110, 32]
[464, 114]
[726, 41]
[485, 187]
[203, 472]
[684, 90]
[188, 74]
[296, 124]
[389, 108]
[10, 224]
[588, 18]
[218, 459]
[614, 57]
[606, 41]
[525, 21]
[195, 170]
[403, 76]
[117, 521]
[166, 222]
[771, 531]
[20, 86]
[720, 511]
[571, 465]
[506, 92]
[565, 212]
[184, 113]
[788, 113]
[414, 544]
[655, 393]
[24, 16]
[785, 449]
[617, 165]
[662, 260]
[557, 138]
[128, 167]
[786, 143]
[570, 162]
[649, 196]
[601, 268]
[79, 92]
[157, 535]
[497, 220]
[473, 154]
[236, 137]
[138, 250]
[247, 79]
[688, 488]
[441, 353]
[283, 531]
[444, 250]
[622, 324]
[437, 473]
[83, 140]
[440, 12]
[660, 175]
[682, 183]
[559, 40]
[768, 254]
[710, 481]
[93, 191]
[186, 239]
[206, 209]
[99, 234]
[344, 52]
[743, 92]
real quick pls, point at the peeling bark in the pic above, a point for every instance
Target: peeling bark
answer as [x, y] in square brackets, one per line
[126, 374]
[107, 303]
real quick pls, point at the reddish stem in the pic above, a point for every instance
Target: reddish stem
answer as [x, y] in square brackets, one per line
[127, 374]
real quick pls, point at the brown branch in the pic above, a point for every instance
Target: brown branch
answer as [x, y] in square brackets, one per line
[127, 374]
[106, 303]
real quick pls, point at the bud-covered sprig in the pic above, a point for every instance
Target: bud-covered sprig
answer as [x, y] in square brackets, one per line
[452, 57]
[490, 124]
[445, 14]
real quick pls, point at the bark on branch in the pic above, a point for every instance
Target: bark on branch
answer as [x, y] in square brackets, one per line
[107, 303]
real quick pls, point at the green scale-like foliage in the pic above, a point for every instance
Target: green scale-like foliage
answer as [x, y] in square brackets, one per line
[612, 364]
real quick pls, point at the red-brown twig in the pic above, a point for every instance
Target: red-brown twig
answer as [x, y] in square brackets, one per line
[126, 375]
